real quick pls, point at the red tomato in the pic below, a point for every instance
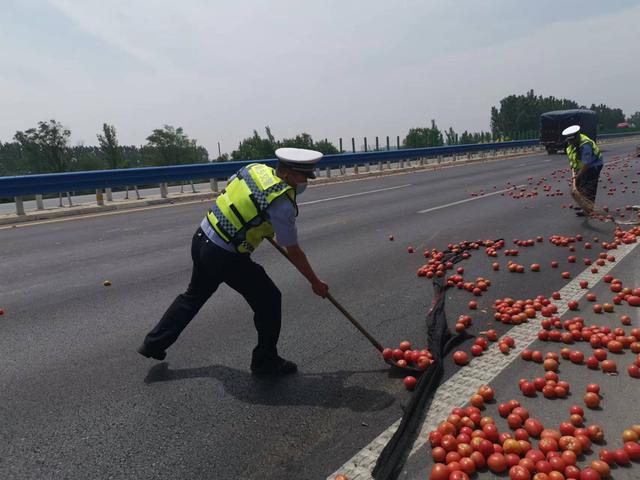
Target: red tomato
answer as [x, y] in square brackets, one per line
[528, 389]
[632, 450]
[533, 427]
[589, 474]
[593, 387]
[458, 475]
[504, 409]
[576, 356]
[572, 472]
[479, 460]
[576, 409]
[569, 457]
[596, 433]
[601, 467]
[592, 400]
[621, 456]
[548, 445]
[486, 392]
[534, 455]
[460, 357]
[410, 382]
[439, 471]
[438, 454]
[518, 472]
[542, 466]
[467, 465]
[607, 456]
[514, 420]
[497, 462]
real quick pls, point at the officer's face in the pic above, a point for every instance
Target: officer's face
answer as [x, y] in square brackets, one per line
[294, 178]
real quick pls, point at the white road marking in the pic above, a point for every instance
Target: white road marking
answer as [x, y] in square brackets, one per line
[100, 214]
[354, 194]
[469, 199]
[457, 390]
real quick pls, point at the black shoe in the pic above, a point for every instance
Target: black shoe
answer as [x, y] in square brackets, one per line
[279, 367]
[145, 352]
[580, 213]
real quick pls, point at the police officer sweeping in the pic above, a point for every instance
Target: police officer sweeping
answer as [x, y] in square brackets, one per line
[585, 160]
[258, 202]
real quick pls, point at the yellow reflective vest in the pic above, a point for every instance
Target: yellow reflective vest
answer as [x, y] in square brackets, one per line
[239, 213]
[574, 152]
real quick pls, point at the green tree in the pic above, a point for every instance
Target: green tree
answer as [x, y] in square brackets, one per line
[325, 147]
[256, 147]
[46, 147]
[12, 160]
[304, 140]
[451, 136]
[171, 146]
[420, 137]
[635, 119]
[86, 158]
[608, 118]
[110, 149]
[132, 156]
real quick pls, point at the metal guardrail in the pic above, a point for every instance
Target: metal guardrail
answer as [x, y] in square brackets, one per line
[75, 181]
[19, 186]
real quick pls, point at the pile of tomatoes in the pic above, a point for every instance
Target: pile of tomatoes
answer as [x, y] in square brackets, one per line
[405, 356]
[467, 442]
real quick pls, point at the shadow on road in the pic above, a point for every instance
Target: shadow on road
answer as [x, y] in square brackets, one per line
[323, 390]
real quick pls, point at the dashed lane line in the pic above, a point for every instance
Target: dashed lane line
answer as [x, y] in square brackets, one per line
[470, 199]
[355, 194]
[482, 370]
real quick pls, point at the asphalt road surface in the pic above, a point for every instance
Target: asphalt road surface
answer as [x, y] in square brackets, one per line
[77, 401]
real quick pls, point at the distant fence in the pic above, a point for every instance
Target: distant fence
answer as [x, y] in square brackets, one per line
[99, 180]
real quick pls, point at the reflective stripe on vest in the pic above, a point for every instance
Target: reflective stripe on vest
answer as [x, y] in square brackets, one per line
[238, 216]
[574, 153]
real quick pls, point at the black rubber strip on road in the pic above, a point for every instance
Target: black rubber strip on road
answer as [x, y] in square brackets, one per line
[440, 342]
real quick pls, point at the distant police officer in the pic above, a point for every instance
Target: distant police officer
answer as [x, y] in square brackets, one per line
[257, 203]
[585, 160]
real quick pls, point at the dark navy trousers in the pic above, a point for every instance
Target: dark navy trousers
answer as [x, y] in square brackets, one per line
[212, 266]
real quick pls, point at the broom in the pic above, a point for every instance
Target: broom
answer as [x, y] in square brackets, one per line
[583, 202]
[590, 209]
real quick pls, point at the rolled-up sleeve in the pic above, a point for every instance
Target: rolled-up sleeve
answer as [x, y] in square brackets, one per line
[282, 215]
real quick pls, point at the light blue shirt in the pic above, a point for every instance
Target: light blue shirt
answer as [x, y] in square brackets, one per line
[588, 158]
[280, 213]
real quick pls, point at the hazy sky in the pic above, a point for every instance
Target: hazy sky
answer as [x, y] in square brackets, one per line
[331, 68]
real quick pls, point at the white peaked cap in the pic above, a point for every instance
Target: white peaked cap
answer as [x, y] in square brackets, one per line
[299, 159]
[572, 130]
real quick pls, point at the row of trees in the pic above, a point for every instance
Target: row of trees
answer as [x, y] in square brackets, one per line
[433, 137]
[46, 149]
[256, 147]
[520, 113]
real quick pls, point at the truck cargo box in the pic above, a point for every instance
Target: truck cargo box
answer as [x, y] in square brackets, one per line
[553, 123]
